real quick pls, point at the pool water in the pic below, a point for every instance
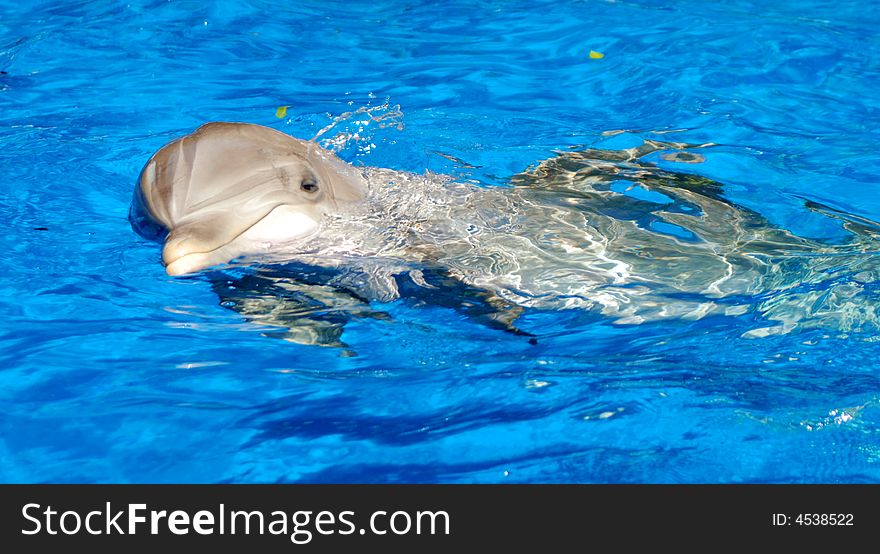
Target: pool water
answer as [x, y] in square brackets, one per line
[114, 372]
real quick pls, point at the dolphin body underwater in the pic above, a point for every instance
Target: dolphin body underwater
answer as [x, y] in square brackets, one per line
[598, 230]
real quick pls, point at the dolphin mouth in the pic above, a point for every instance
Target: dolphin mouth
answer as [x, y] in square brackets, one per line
[284, 223]
[185, 263]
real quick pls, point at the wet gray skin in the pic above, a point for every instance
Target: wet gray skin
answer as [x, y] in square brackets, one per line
[594, 230]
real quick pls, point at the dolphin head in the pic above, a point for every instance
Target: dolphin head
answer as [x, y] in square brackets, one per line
[236, 189]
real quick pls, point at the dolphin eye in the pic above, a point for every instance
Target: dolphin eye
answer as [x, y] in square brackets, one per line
[309, 185]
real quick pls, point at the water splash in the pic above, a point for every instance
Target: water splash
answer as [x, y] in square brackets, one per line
[355, 127]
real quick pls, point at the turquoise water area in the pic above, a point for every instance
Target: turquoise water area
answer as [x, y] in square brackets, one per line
[114, 372]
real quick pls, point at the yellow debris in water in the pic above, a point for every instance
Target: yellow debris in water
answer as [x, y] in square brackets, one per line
[281, 112]
[596, 55]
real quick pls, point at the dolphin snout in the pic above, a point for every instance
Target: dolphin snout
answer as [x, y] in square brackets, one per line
[193, 248]
[181, 256]
[202, 244]
[176, 248]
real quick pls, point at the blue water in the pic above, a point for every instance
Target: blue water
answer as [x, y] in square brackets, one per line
[114, 372]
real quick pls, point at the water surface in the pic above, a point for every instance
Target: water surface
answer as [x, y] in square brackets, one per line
[113, 372]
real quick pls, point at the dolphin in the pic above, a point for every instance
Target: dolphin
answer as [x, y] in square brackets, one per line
[591, 229]
[229, 189]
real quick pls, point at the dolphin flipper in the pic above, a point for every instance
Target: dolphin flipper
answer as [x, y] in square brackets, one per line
[437, 286]
[291, 309]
